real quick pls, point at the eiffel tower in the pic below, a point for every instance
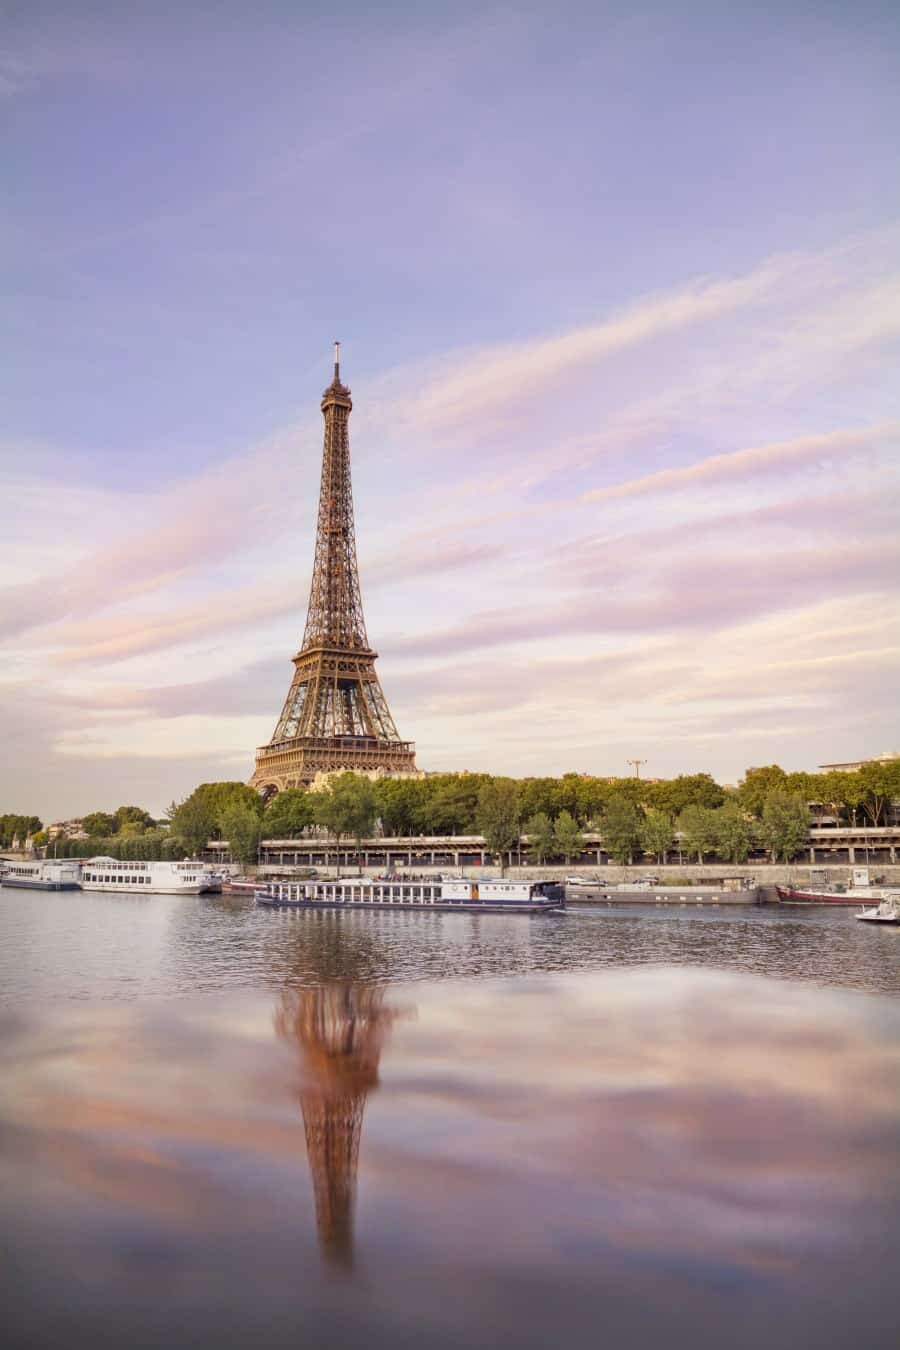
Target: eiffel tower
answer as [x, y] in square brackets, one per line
[335, 716]
[340, 1029]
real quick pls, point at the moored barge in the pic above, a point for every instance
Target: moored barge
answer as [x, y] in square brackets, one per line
[476, 897]
[42, 875]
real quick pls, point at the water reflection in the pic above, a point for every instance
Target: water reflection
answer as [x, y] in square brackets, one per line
[339, 1029]
[628, 1156]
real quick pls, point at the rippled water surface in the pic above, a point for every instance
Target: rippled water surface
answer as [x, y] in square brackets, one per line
[227, 1127]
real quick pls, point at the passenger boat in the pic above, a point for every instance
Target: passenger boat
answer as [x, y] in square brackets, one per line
[433, 893]
[887, 912]
[167, 878]
[47, 874]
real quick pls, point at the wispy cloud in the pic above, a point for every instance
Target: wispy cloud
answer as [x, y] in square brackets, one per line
[756, 462]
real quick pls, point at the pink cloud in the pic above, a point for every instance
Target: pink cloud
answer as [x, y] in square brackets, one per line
[757, 462]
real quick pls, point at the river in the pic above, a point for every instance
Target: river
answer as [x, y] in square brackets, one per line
[224, 1126]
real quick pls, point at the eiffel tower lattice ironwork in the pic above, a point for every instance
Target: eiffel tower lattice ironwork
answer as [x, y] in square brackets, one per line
[335, 716]
[340, 1029]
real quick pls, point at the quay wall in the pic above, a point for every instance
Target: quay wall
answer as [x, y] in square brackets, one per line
[708, 874]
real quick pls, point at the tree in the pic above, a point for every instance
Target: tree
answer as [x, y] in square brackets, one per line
[621, 828]
[880, 784]
[697, 827]
[242, 828]
[132, 820]
[688, 789]
[398, 802]
[498, 816]
[288, 814]
[656, 832]
[99, 824]
[204, 808]
[785, 824]
[732, 833]
[450, 804]
[756, 785]
[569, 840]
[18, 827]
[40, 838]
[346, 807]
[541, 839]
[192, 823]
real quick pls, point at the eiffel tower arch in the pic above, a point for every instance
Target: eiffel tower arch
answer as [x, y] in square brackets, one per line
[335, 715]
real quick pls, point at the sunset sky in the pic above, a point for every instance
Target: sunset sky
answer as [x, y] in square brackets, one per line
[618, 287]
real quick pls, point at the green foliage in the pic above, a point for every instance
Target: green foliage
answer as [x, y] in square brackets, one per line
[785, 824]
[733, 833]
[880, 785]
[346, 807]
[199, 817]
[569, 840]
[242, 827]
[40, 838]
[656, 832]
[147, 847]
[449, 804]
[622, 827]
[756, 785]
[697, 827]
[691, 789]
[498, 815]
[99, 824]
[288, 814]
[193, 823]
[18, 827]
[398, 802]
[541, 839]
[132, 820]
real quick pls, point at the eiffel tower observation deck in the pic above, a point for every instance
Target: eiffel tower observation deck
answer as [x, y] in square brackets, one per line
[335, 716]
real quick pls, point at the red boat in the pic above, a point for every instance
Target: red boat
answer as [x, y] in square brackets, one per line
[854, 895]
[792, 895]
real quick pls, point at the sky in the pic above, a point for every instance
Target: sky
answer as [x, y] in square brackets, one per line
[618, 288]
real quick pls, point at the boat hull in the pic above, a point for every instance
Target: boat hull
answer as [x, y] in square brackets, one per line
[23, 884]
[115, 888]
[790, 895]
[436, 906]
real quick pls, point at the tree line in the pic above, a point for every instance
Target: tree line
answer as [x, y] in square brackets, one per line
[768, 809]
[18, 827]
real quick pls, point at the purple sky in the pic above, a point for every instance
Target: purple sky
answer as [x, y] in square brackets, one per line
[619, 293]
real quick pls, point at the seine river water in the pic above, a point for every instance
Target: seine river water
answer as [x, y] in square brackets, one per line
[228, 1127]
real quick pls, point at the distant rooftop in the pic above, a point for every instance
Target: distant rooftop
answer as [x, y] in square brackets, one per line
[852, 765]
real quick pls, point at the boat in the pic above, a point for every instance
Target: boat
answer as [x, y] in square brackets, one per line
[887, 912]
[43, 874]
[239, 886]
[432, 893]
[794, 895]
[861, 889]
[167, 878]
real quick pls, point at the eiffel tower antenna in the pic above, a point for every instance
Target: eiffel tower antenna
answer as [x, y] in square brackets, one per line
[335, 715]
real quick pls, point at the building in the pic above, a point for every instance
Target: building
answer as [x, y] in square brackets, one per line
[854, 765]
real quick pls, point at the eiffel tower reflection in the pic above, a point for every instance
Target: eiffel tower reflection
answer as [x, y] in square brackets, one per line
[340, 1028]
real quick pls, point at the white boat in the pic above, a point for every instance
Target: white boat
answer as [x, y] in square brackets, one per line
[167, 878]
[887, 912]
[43, 874]
[455, 894]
